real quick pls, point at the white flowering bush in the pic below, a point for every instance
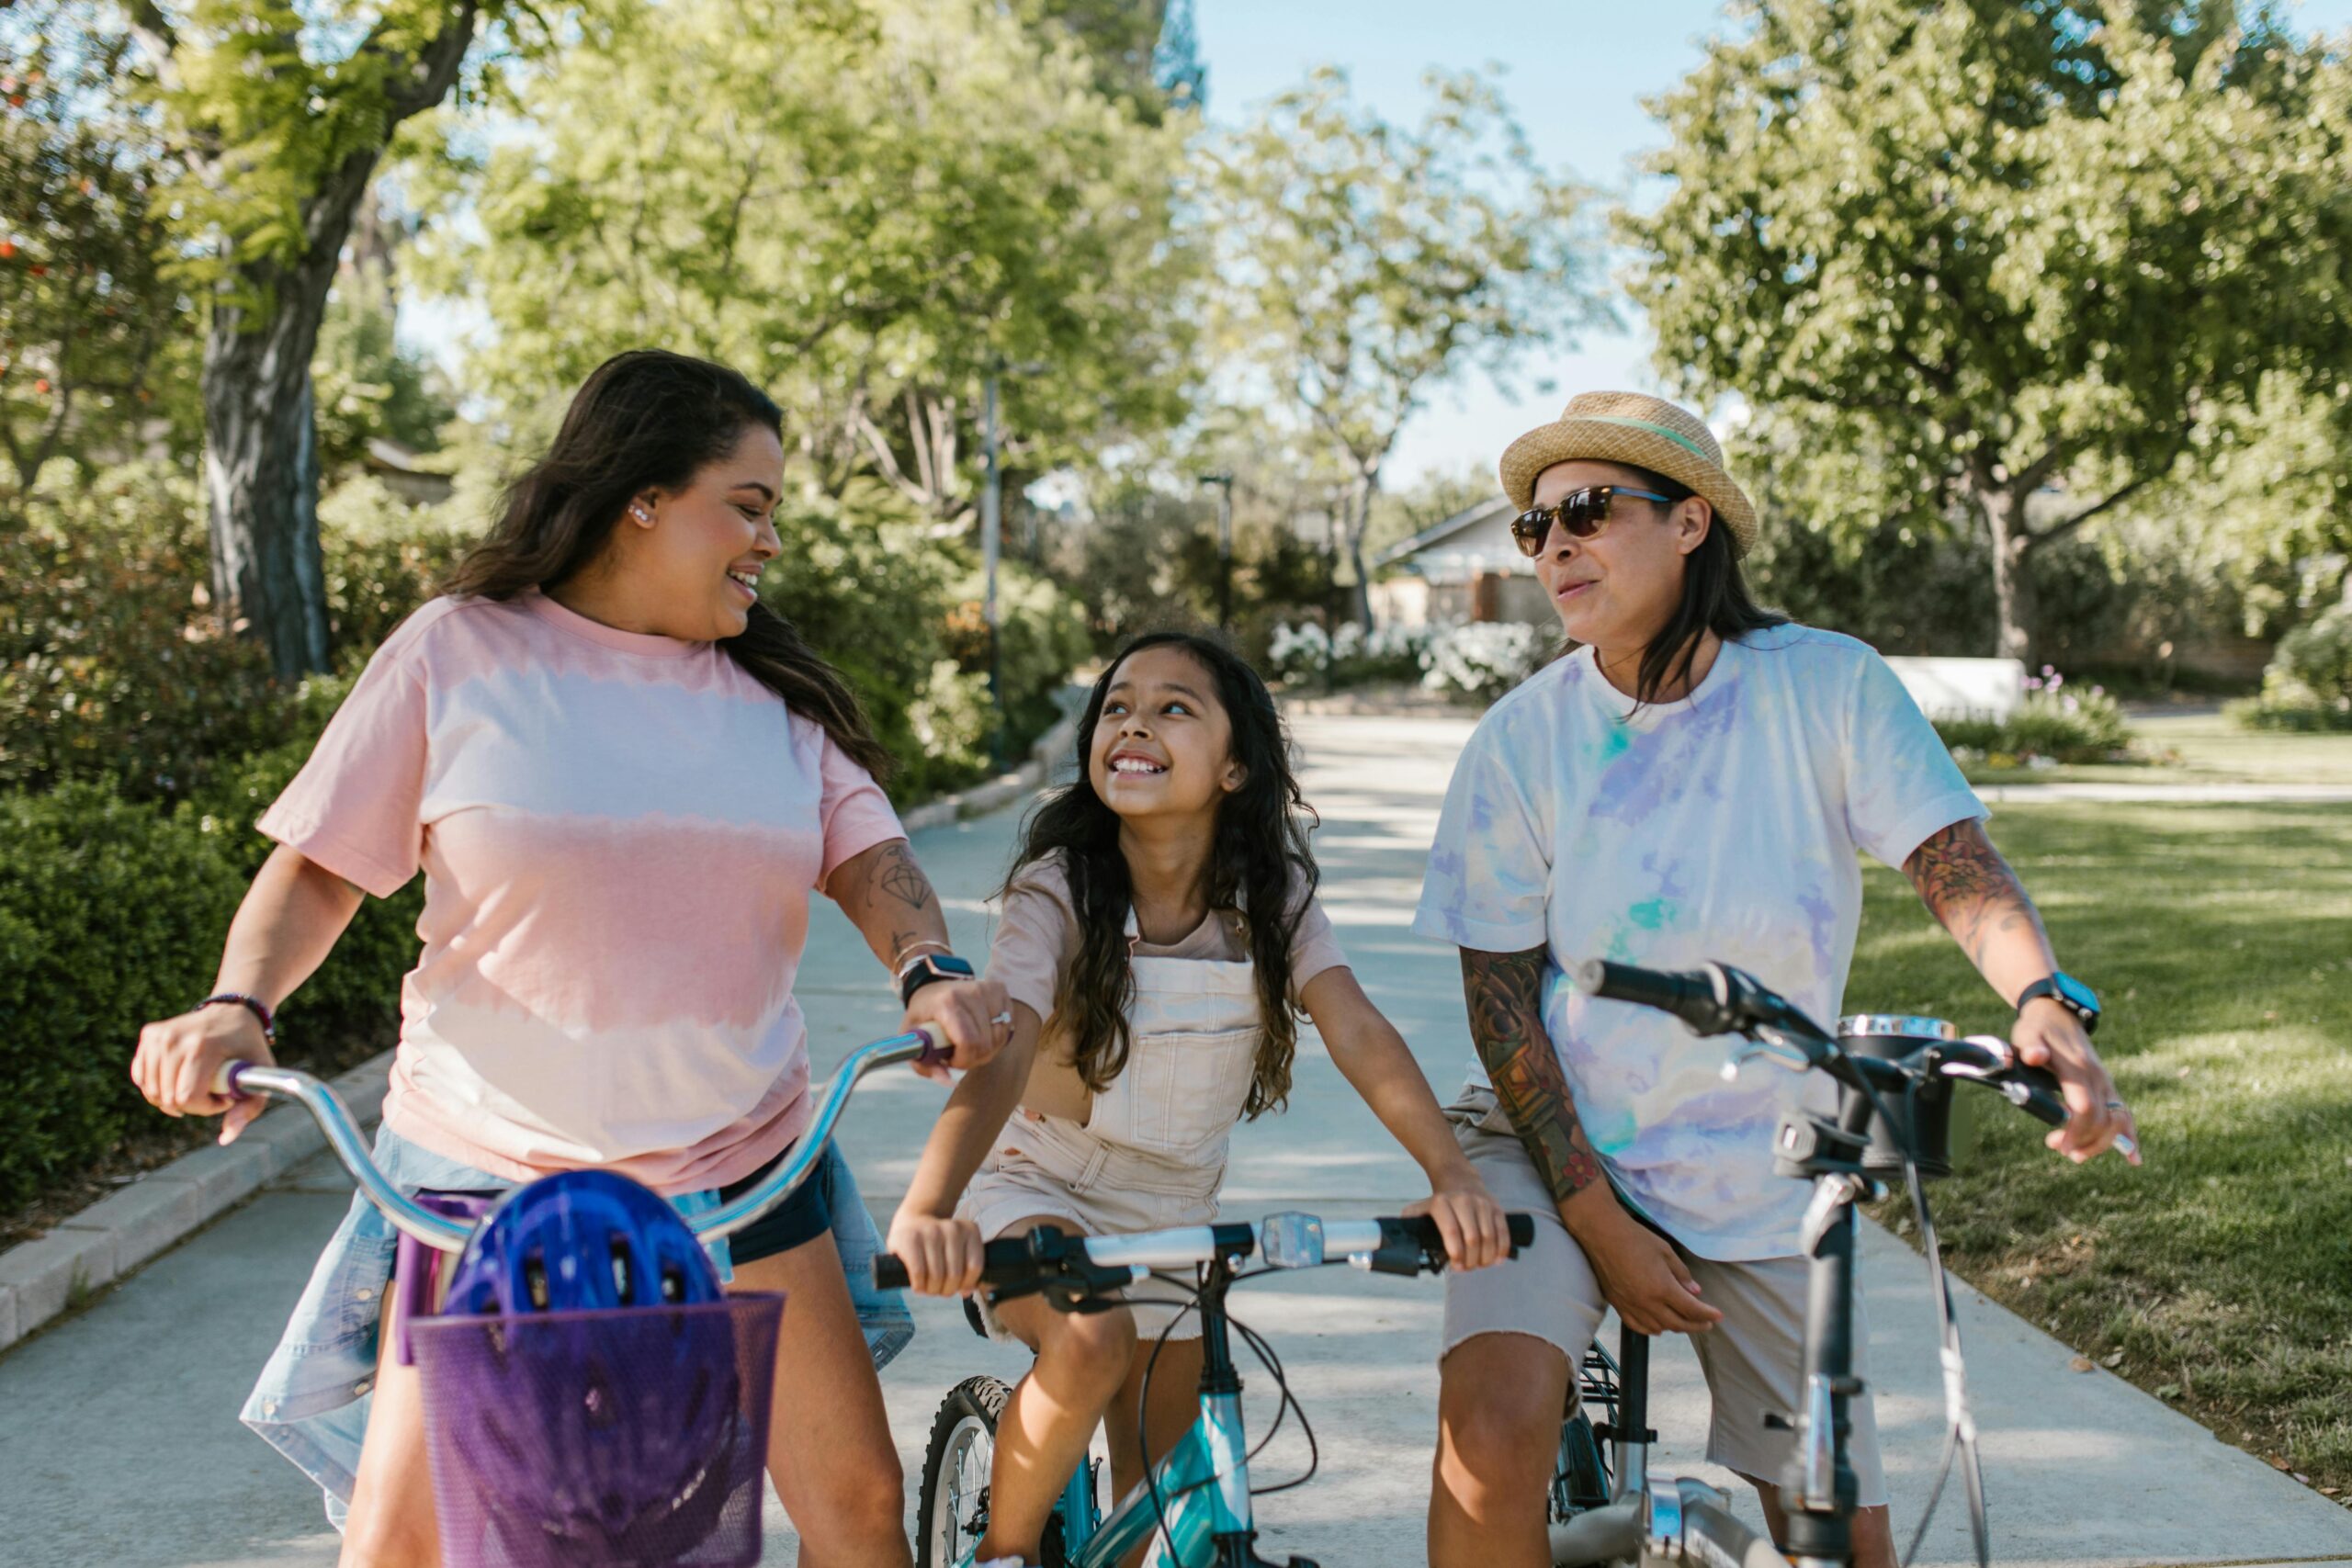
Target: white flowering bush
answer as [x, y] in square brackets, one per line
[1299, 653]
[1482, 659]
[1349, 656]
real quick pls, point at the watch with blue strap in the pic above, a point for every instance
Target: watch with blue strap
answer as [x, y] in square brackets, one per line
[2068, 993]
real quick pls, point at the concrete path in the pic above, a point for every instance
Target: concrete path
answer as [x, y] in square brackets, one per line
[2176, 793]
[118, 1444]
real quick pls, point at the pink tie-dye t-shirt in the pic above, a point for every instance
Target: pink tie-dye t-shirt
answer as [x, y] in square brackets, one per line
[619, 835]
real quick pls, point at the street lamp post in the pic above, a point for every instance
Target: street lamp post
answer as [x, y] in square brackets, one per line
[991, 544]
[1223, 483]
[992, 547]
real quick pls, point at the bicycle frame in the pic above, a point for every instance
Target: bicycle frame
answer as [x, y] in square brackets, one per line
[1202, 1484]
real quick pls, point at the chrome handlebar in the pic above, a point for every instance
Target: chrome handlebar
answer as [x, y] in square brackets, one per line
[235, 1079]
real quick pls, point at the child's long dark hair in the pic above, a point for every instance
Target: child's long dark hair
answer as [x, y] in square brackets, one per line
[1260, 867]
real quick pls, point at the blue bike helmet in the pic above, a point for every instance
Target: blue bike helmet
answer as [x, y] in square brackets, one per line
[584, 1391]
[581, 1240]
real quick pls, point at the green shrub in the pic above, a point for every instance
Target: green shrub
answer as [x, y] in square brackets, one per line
[112, 666]
[111, 914]
[2056, 723]
[2309, 683]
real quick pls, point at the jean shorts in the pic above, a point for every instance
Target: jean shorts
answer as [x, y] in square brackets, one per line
[311, 1402]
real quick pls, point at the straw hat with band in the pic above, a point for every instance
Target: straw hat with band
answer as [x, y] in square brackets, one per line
[1646, 433]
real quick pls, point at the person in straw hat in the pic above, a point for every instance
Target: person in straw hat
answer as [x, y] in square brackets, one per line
[1690, 782]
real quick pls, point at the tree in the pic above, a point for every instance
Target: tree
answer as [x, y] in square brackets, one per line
[1364, 263]
[1997, 262]
[869, 207]
[278, 113]
[94, 340]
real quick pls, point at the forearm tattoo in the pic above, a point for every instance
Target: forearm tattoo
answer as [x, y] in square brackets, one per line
[1505, 993]
[1970, 888]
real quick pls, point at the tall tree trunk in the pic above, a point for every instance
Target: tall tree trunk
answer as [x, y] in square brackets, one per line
[261, 445]
[261, 461]
[1360, 508]
[2004, 511]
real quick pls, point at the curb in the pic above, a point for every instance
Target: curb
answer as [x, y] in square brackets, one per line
[1045, 756]
[40, 1280]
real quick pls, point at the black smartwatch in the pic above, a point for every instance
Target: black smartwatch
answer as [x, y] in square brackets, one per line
[932, 967]
[2068, 993]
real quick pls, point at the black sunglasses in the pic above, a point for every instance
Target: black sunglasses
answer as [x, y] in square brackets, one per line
[1581, 512]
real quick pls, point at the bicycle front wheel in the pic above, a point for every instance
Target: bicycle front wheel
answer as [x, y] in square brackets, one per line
[952, 1514]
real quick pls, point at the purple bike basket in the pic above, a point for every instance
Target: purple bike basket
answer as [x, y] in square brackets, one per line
[616, 1438]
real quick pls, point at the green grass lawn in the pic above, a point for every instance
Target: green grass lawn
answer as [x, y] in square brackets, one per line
[2204, 749]
[2221, 939]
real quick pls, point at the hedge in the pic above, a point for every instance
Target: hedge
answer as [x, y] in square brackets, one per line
[111, 914]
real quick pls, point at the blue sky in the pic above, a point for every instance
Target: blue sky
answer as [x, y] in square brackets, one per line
[1576, 74]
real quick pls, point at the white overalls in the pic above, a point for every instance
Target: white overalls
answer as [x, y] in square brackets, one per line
[1151, 1152]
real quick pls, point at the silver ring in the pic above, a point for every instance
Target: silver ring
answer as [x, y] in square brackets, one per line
[1002, 1017]
[2115, 1105]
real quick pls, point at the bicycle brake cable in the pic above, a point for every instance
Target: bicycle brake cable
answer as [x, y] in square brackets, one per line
[1960, 1435]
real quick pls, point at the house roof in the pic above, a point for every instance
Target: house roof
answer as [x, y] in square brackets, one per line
[1438, 533]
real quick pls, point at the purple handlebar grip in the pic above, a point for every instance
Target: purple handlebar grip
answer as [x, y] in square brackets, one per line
[936, 1051]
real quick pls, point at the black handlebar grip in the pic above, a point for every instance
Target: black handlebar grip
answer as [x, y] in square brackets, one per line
[1688, 994]
[1422, 1231]
[2044, 1100]
[889, 1274]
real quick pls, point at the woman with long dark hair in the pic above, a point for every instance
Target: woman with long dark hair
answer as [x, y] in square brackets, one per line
[623, 776]
[1159, 932]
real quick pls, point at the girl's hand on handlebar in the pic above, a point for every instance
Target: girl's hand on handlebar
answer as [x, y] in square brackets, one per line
[1640, 1273]
[2047, 1035]
[943, 1256]
[974, 1015]
[179, 1059]
[1469, 1218]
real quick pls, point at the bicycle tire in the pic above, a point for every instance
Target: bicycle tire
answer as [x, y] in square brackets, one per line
[1580, 1475]
[1714, 1538]
[963, 1430]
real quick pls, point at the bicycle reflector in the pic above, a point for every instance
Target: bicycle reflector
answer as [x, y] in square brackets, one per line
[593, 1398]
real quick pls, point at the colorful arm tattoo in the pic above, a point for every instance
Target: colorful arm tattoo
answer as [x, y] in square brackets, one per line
[1972, 891]
[1505, 993]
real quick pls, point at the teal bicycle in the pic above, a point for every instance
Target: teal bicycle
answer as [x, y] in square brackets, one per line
[1193, 1506]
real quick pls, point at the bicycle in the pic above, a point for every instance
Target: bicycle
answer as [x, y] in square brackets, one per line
[1657, 1520]
[1193, 1506]
[613, 1436]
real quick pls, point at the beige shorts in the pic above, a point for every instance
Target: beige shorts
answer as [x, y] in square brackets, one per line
[1753, 1359]
[1049, 1166]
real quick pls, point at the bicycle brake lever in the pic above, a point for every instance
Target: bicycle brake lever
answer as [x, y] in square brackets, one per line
[1768, 1045]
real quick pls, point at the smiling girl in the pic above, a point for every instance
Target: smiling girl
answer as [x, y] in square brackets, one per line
[1159, 931]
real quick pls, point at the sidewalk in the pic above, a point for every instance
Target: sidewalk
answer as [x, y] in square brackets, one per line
[118, 1444]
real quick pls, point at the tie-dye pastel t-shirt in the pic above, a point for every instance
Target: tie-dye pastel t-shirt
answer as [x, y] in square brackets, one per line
[619, 835]
[1722, 827]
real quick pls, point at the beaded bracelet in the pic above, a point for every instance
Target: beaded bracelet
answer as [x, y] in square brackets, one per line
[260, 1010]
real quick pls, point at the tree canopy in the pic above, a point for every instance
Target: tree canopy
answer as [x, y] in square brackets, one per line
[1362, 262]
[867, 208]
[2000, 261]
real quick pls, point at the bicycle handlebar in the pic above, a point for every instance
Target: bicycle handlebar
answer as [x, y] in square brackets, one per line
[1079, 1266]
[1719, 999]
[922, 1044]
